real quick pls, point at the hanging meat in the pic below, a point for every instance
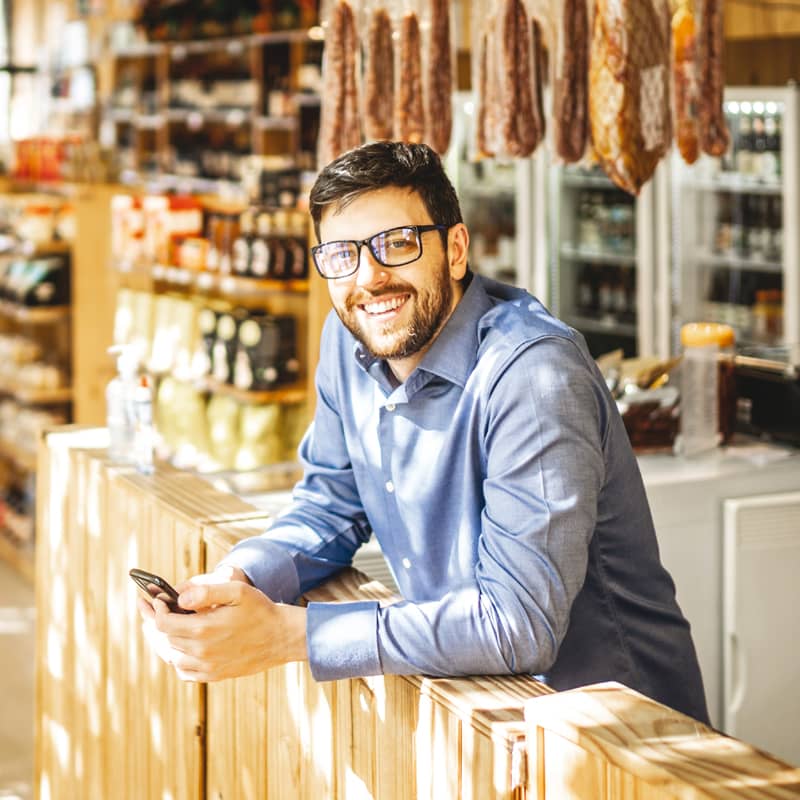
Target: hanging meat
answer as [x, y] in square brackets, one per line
[409, 116]
[714, 136]
[629, 90]
[379, 79]
[340, 124]
[440, 78]
[522, 120]
[483, 123]
[685, 87]
[571, 82]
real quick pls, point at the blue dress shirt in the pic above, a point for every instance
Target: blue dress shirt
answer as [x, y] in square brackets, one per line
[501, 485]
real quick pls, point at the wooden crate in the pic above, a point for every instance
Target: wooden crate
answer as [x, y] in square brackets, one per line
[608, 742]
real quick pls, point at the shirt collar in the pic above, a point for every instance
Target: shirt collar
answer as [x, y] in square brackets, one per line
[453, 353]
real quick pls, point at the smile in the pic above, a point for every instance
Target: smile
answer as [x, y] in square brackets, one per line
[384, 306]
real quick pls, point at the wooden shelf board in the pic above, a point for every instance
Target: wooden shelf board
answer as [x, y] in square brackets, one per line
[35, 315]
[291, 393]
[39, 396]
[23, 458]
[19, 558]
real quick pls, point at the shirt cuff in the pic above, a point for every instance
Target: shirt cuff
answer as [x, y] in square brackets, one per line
[268, 566]
[342, 640]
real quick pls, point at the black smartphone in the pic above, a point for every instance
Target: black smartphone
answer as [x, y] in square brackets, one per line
[155, 586]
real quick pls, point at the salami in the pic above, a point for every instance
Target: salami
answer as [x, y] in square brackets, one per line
[685, 89]
[483, 121]
[628, 90]
[379, 81]
[521, 119]
[409, 119]
[714, 136]
[440, 78]
[340, 127]
[571, 82]
[351, 126]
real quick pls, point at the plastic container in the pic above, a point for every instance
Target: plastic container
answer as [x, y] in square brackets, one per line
[119, 405]
[145, 435]
[707, 387]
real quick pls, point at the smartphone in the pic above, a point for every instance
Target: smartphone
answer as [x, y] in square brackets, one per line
[155, 586]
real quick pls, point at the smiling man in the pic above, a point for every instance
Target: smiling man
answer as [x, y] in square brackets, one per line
[471, 432]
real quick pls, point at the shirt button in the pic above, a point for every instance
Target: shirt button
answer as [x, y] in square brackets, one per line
[390, 406]
[389, 487]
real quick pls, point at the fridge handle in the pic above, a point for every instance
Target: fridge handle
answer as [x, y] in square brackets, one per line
[738, 687]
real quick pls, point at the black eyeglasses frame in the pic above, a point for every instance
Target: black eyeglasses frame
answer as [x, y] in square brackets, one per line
[359, 243]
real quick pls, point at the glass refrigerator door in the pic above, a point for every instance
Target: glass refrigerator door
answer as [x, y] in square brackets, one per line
[601, 260]
[736, 256]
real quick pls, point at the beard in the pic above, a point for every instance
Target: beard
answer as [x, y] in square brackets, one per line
[430, 307]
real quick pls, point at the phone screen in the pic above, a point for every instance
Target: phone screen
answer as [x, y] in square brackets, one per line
[153, 585]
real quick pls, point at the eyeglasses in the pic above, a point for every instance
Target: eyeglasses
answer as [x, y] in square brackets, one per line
[393, 248]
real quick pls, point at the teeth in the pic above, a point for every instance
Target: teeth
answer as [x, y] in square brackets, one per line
[384, 306]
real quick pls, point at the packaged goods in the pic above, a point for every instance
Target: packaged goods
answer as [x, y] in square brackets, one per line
[266, 354]
[629, 90]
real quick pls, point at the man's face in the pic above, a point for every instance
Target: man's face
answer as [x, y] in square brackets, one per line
[395, 312]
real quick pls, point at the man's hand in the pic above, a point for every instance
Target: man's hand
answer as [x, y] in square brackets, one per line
[236, 631]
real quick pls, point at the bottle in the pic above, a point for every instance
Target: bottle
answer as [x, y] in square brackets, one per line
[145, 434]
[744, 144]
[243, 244]
[707, 386]
[119, 405]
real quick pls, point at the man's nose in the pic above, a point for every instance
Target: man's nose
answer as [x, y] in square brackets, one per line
[370, 271]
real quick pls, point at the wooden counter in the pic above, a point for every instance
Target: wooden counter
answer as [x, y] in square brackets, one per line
[112, 721]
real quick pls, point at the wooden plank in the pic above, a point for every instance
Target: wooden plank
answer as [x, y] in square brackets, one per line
[673, 754]
[571, 771]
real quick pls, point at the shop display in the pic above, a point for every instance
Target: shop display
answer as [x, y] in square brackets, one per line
[734, 216]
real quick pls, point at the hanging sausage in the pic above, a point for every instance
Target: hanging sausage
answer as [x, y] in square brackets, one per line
[409, 116]
[571, 82]
[685, 86]
[714, 136]
[379, 78]
[440, 78]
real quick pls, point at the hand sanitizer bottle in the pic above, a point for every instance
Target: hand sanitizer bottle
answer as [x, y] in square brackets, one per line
[119, 405]
[144, 441]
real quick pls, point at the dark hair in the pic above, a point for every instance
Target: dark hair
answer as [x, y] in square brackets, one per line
[379, 164]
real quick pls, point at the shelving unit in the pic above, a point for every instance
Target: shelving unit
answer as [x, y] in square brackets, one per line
[163, 102]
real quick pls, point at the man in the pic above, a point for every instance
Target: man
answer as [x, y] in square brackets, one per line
[472, 433]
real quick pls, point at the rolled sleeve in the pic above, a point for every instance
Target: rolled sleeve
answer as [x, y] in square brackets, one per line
[342, 640]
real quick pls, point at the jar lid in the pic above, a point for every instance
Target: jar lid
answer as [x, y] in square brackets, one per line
[700, 334]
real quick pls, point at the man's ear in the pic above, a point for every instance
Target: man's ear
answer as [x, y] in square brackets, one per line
[457, 250]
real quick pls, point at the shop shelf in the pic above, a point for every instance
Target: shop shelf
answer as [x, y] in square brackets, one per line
[41, 397]
[598, 256]
[707, 258]
[285, 395]
[601, 325]
[276, 123]
[19, 557]
[23, 458]
[34, 315]
[733, 182]
[197, 117]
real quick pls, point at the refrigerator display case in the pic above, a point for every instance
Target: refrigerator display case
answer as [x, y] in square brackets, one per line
[602, 259]
[736, 238]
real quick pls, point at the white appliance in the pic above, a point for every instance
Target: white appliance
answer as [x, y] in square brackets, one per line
[761, 623]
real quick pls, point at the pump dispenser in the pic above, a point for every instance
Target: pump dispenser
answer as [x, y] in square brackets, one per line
[120, 415]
